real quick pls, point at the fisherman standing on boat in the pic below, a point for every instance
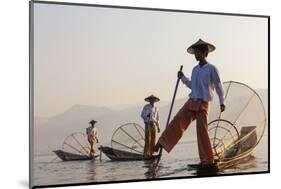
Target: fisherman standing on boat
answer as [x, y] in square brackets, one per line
[204, 79]
[150, 116]
[92, 136]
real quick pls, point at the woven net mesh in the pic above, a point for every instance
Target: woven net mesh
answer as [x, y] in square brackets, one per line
[237, 130]
[76, 143]
[129, 137]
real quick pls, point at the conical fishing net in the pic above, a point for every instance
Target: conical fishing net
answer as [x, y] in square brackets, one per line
[237, 130]
[76, 143]
[129, 138]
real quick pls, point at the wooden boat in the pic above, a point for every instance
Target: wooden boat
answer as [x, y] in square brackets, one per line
[127, 144]
[220, 166]
[119, 155]
[67, 156]
[75, 148]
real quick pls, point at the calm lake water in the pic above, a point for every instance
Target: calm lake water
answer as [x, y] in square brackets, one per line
[171, 165]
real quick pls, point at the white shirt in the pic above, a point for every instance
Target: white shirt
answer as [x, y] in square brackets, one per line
[148, 109]
[203, 82]
[92, 131]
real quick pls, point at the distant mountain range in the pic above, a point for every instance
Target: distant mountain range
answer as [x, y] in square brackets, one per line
[49, 133]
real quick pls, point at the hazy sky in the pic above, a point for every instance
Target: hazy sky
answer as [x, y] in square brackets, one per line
[105, 57]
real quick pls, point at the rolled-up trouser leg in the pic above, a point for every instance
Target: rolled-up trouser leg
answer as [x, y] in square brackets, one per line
[176, 128]
[204, 144]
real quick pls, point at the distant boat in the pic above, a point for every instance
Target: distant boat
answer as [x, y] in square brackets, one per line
[75, 148]
[127, 144]
[67, 156]
[119, 155]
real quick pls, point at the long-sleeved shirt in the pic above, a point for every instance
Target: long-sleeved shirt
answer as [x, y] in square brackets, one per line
[150, 113]
[92, 131]
[203, 82]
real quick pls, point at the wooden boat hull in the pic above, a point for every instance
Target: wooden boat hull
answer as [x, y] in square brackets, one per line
[119, 155]
[229, 163]
[67, 156]
[219, 166]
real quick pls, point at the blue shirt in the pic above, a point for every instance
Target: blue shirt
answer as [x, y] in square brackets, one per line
[204, 80]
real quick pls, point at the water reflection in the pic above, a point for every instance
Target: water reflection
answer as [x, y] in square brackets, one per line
[92, 170]
[152, 169]
[173, 165]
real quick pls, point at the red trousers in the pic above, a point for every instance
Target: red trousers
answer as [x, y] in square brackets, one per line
[191, 110]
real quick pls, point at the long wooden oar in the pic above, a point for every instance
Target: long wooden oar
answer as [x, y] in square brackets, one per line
[169, 115]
